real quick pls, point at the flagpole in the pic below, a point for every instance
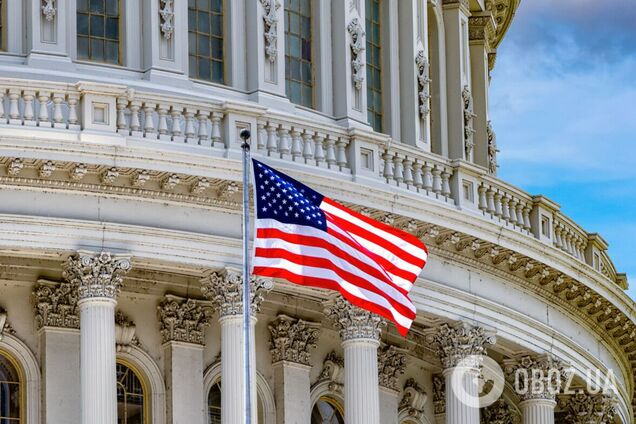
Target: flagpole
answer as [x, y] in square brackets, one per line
[247, 380]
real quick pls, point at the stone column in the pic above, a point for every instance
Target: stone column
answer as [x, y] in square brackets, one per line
[99, 279]
[290, 343]
[225, 290]
[459, 348]
[360, 334]
[58, 323]
[182, 327]
[391, 364]
[584, 408]
[537, 380]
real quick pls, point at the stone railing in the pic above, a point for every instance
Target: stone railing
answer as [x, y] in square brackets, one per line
[119, 114]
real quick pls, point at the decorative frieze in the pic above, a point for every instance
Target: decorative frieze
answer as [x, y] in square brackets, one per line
[15, 167]
[439, 394]
[124, 333]
[458, 343]
[166, 14]
[332, 372]
[391, 364]
[225, 290]
[56, 305]
[423, 83]
[96, 274]
[46, 169]
[499, 413]
[492, 149]
[352, 321]
[584, 408]
[183, 320]
[49, 10]
[270, 28]
[540, 377]
[292, 339]
[357, 48]
[413, 399]
[469, 116]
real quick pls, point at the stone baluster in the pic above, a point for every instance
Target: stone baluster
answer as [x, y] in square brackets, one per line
[341, 156]
[122, 103]
[43, 113]
[296, 144]
[2, 117]
[537, 381]
[291, 341]
[418, 180]
[99, 278]
[483, 199]
[14, 108]
[319, 153]
[360, 334]
[261, 140]
[584, 408]
[505, 208]
[272, 142]
[407, 165]
[498, 204]
[460, 348]
[428, 177]
[446, 190]
[526, 218]
[520, 214]
[437, 180]
[284, 147]
[308, 154]
[215, 133]
[391, 364]
[513, 211]
[29, 109]
[490, 195]
[149, 123]
[72, 100]
[202, 133]
[176, 113]
[331, 151]
[162, 127]
[388, 167]
[182, 324]
[225, 290]
[190, 130]
[58, 116]
[398, 169]
[557, 235]
[135, 121]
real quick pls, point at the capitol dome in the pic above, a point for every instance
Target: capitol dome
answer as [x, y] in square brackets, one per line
[120, 220]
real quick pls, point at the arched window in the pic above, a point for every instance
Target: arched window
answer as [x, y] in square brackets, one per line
[299, 80]
[205, 40]
[131, 397]
[98, 30]
[327, 411]
[214, 405]
[11, 392]
[374, 64]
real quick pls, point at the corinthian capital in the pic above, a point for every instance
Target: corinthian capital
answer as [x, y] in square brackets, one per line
[457, 343]
[499, 413]
[183, 320]
[584, 408]
[225, 290]
[292, 339]
[539, 377]
[391, 364]
[56, 305]
[96, 275]
[353, 322]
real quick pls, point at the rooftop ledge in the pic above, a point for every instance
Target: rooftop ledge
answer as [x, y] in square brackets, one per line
[115, 115]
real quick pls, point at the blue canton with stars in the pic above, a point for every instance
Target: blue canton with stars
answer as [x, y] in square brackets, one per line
[284, 199]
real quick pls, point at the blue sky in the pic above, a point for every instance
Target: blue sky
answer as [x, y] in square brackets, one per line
[563, 105]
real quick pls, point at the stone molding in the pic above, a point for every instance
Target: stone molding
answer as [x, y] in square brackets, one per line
[55, 305]
[537, 378]
[96, 274]
[439, 394]
[584, 408]
[499, 412]
[391, 364]
[224, 289]
[353, 322]
[292, 339]
[183, 319]
[413, 400]
[457, 343]
[270, 28]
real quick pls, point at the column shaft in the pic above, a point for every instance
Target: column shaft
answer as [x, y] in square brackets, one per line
[292, 392]
[388, 406]
[462, 403]
[184, 381]
[97, 360]
[362, 396]
[538, 411]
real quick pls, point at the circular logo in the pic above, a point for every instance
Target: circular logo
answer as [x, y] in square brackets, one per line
[477, 381]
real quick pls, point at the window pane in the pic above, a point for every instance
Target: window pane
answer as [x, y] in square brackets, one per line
[97, 6]
[97, 49]
[298, 57]
[82, 47]
[10, 387]
[98, 30]
[205, 36]
[374, 64]
[82, 24]
[97, 26]
[112, 28]
[82, 5]
[130, 396]
[112, 52]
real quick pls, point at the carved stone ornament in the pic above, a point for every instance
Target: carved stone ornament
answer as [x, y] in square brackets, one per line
[499, 413]
[56, 305]
[463, 3]
[540, 377]
[353, 322]
[469, 116]
[423, 83]
[183, 320]
[225, 290]
[584, 408]
[292, 339]
[166, 13]
[357, 48]
[439, 394]
[413, 399]
[332, 372]
[391, 364]
[492, 149]
[49, 10]
[270, 23]
[124, 332]
[458, 343]
[96, 274]
[3, 321]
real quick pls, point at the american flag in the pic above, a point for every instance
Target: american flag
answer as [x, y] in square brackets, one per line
[307, 238]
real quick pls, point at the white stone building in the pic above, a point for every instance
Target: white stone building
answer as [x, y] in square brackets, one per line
[120, 218]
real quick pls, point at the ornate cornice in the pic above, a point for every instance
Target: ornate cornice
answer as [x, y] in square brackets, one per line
[465, 4]
[391, 364]
[56, 305]
[292, 339]
[96, 274]
[539, 377]
[224, 289]
[439, 394]
[460, 342]
[499, 413]
[183, 320]
[482, 28]
[352, 321]
[584, 408]
[413, 399]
